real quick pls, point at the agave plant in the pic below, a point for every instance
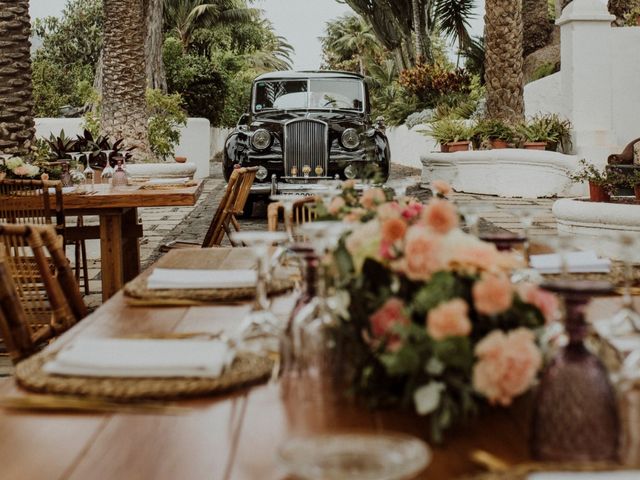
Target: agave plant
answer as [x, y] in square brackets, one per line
[61, 146]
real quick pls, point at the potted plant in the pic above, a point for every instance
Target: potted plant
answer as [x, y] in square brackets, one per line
[600, 181]
[493, 133]
[535, 135]
[632, 180]
[453, 135]
[559, 129]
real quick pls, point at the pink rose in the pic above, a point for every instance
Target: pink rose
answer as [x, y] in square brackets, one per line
[22, 170]
[545, 301]
[441, 187]
[389, 210]
[412, 210]
[492, 294]
[507, 365]
[385, 319]
[393, 230]
[372, 197]
[440, 215]
[337, 203]
[449, 319]
[422, 254]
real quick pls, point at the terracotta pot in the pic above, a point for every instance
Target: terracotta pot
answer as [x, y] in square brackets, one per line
[597, 193]
[444, 147]
[636, 190]
[458, 146]
[498, 143]
[181, 159]
[535, 145]
[638, 20]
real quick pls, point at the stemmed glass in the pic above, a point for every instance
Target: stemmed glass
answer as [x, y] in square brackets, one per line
[526, 215]
[89, 172]
[261, 322]
[288, 201]
[627, 319]
[472, 212]
[108, 171]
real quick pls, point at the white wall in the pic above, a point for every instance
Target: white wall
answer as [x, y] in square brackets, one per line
[408, 145]
[194, 138]
[544, 96]
[218, 137]
[625, 51]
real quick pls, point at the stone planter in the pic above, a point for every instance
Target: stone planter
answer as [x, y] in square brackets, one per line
[598, 193]
[161, 170]
[535, 145]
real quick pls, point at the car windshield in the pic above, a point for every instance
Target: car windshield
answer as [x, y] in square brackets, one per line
[315, 93]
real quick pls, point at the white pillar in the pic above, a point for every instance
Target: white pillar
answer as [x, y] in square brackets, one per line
[586, 73]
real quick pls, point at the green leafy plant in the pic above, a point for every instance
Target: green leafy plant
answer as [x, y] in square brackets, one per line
[590, 173]
[430, 82]
[543, 70]
[61, 146]
[487, 130]
[165, 117]
[448, 130]
[549, 128]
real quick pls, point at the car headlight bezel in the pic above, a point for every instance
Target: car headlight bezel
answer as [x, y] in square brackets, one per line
[262, 173]
[350, 139]
[350, 171]
[261, 139]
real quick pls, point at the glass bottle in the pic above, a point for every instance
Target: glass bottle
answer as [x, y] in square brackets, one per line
[575, 416]
[65, 176]
[119, 176]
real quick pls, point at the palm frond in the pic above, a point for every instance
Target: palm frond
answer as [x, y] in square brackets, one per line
[452, 18]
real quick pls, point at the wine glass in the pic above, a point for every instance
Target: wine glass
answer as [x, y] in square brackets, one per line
[627, 319]
[260, 323]
[526, 215]
[472, 212]
[5, 157]
[288, 201]
[89, 172]
[108, 171]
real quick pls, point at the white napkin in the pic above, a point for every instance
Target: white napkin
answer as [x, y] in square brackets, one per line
[577, 262]
[173, 278]
[141, 358]
[167, 181]
[623, 475]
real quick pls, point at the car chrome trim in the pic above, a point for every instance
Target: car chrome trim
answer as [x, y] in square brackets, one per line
[306, 142]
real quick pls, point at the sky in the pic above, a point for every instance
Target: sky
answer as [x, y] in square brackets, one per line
[301, 22]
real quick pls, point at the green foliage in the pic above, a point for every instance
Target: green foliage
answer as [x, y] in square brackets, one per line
[487, 130]
[165, 117]
[543, 70]
[448, 130]
[590, 173]
[550, 128]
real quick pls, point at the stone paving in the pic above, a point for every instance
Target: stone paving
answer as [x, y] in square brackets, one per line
[162, 225]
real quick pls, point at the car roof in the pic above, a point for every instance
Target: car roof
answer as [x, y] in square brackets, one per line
[290, 74]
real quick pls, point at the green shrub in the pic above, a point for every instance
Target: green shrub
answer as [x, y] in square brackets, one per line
[448, 130]
[431, 82]
[543, 70]
[165, 117]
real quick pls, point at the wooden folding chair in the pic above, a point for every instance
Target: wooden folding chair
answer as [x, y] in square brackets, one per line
[40, 202]
[39, 295]
[303, 212]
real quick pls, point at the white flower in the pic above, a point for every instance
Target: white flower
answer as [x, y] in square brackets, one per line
[14, 162]
[427, 397]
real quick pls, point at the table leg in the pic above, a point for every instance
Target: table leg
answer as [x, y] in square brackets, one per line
[111, 254]
[130, 244]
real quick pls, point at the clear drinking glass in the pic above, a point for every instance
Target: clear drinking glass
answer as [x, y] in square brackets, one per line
[261, 323]
[107, 173]
[89, 172]
[119, 176]
[472, 213]
[526, 215]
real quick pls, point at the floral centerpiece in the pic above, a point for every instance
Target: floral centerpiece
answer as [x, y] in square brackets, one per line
[434, 320]
[16, 167]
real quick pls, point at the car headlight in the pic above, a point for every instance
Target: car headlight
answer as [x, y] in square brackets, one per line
[350, 172]
[261, 139]
[262, 173]
[350, 138]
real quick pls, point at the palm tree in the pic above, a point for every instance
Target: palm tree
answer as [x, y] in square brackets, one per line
[182, 17]
[418, 37]
[503, 60]
[16, 92]
[354, 35]
[274, 55]
[124, 82]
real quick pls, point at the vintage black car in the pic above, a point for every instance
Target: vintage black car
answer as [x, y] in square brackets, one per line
[305, 127]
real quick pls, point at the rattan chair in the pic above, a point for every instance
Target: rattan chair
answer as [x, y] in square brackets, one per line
[303, 212]
[39, 295]
[40, 202]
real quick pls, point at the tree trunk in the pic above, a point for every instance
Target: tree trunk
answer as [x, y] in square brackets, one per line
[124, 106]
[417, 30]
[503, 60]
[536, 26]
[16, 91]
[156, 77]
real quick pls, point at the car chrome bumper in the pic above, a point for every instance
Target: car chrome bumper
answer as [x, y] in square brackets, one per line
[292, 188]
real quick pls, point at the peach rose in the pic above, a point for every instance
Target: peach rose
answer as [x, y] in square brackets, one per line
[337, 203]
[440, 215]
[449, 319]
[393, 230]
[545, 301]
[422, 254]
[441, 187]
[492, 294]
[473, 257]
[389, 210]
[355, 215]
[385, 319]
[372, 197]
[22, 170]
[507, 365]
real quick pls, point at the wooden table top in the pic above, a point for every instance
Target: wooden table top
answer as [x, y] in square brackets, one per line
[232, 436]
[133, 196]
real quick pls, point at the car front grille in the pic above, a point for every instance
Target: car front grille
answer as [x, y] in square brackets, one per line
[306, 144]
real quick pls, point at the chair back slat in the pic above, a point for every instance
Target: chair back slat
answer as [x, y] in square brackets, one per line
[44, 284]
[303, 212]
[218, 218]
[33, 202]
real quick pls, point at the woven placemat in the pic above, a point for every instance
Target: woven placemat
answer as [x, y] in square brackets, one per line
[247, 369]
[168, 186]
[615, 276]
[522, 472]
[138, 291]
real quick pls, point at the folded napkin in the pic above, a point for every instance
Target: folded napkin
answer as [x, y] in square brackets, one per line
[141, 358]
[621, 475]
[173, 278]
[577, 262]
[167, 181]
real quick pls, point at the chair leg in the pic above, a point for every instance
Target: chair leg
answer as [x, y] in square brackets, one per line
[85, 268]
[234, 222]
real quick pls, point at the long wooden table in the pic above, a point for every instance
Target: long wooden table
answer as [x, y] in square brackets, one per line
[120, 228]
[232, 436]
